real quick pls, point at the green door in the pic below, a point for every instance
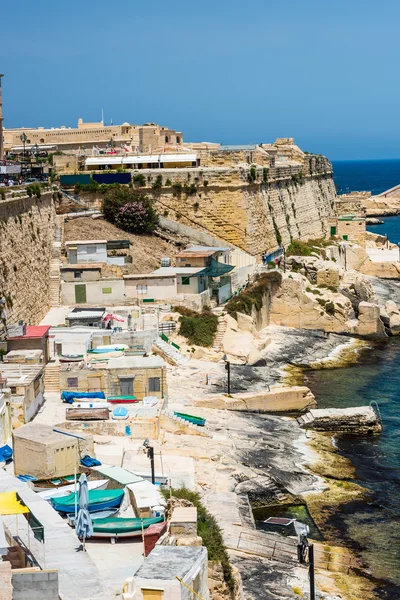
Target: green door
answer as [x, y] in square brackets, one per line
[80, 293]
[333, 231]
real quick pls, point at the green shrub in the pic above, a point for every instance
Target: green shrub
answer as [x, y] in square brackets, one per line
[139, 180]
[330, 308]
[168, 182]
[265, 175]
[157, 184]
[271, 264]
[210, 532]
[198, 328]
[205, 183]
[2, 194]
[177, 187]
[190, 190]
[298, 248]
[252, 176]
[253, 296]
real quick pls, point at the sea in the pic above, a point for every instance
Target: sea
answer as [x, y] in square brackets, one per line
[371, 526]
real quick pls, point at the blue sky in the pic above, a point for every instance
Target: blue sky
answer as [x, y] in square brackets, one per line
[323, 72]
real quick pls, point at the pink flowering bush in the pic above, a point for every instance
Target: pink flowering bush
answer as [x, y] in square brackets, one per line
[129, 210]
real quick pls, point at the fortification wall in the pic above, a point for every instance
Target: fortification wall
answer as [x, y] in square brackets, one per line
[250, 206]
[26, 237]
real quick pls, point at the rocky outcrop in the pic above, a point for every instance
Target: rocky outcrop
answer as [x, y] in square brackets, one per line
[390, 315]
[241, 342]
[276, 399]
[361, 420]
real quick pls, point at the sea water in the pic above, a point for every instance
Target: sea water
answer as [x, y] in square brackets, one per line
[371, 525]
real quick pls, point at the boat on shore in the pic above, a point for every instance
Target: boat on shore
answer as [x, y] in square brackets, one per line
[98, 500]
[99, 484]
[121, 527]
[122, 399]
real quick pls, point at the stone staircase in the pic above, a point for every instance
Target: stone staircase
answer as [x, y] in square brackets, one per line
[171, 354]
[54, 285]
[191, 426]
[219, 336]
[52, 377]
[149, 321]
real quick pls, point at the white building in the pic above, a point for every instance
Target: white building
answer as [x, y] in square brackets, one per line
[157, 577]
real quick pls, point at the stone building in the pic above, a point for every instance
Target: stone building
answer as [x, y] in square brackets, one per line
[26, 386]
[123, 376]
[149, 137]
[1, 119]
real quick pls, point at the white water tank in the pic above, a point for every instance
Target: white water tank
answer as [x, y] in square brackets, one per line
[157, 511]
[165, 262]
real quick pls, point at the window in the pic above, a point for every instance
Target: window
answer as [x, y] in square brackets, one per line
[154, 384]
[178, 139]
[72, 382]
[90, 249]
[107, 290]
[166, 139]
[141, 289]
[185, 280]
[77, 274]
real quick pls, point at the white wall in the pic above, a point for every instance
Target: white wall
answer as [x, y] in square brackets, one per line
[94, 292]
[159, 289]
[73, 340]
[224, 293]
[91, 253]
[196, 285]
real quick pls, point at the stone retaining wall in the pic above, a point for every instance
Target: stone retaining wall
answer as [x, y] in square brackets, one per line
[280, 399]
[26, 238]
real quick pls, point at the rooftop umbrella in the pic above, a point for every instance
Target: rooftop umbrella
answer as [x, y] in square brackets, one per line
[83, 523]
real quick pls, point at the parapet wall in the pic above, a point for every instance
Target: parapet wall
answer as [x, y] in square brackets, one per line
[26, 238]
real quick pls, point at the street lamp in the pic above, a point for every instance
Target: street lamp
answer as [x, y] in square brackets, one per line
[150, 454]
[23, 139]
[398, 243]
[228, 369]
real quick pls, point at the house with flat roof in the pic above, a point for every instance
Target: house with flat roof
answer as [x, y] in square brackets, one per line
[123, 376]
[112, 252]
[91, 317]
[33, 337]
[157, 579]
[25, 382]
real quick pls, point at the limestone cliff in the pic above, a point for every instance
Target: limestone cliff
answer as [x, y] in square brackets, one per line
[252, 206]
[26, 237]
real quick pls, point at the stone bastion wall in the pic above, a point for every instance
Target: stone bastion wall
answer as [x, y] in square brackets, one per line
[251, 206]
[26, 238]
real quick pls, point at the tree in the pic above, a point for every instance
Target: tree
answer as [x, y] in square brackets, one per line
[130, 210]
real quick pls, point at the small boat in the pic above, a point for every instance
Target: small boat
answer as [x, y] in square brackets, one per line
[52, 484]
[98, 500]
[122, 399]
[120, 413]
[98, 484]
[87, 414]
[191, 418]
[122, 528]
[101, 514]
[94, 404]
[64, 358]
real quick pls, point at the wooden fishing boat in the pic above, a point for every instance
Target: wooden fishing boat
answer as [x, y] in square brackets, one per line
[122, 399]
[87, 414]
[98, 500]
[101, 514]
[99, 484]
[191, 418]
[65, 358]
[122, 528]
[52, 484]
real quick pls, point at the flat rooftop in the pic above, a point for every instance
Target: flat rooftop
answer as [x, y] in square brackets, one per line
[173, 271]
[32, 332]
[166, 562]
[134, 362]
[18, 374]
[44, 434]
[84, 242]
[82, 267]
